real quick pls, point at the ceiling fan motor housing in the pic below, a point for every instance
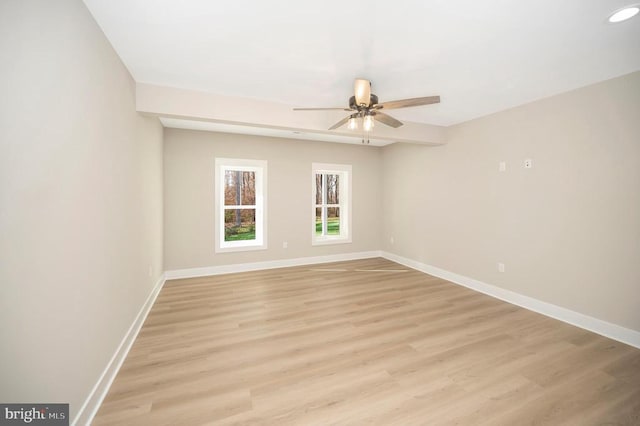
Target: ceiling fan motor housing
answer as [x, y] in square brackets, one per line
[372, 101]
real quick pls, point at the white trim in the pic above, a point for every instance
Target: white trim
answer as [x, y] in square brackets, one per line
[604, 328]
[91, 405]
[271, 264]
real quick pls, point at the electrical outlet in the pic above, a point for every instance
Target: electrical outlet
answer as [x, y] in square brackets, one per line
[500, 267]
[528, 163]
[285, 244]
[502, 166]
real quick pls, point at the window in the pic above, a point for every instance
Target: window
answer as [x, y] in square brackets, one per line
[331, 204]
[241, 199]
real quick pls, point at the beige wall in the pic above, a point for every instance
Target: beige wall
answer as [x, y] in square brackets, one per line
[189, 161]
[80, 202]
[567, 230]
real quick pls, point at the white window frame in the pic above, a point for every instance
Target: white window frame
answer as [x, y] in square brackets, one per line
[344, 171]
[260, 169]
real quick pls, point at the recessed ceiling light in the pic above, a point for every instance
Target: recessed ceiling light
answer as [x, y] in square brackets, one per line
[624, 14]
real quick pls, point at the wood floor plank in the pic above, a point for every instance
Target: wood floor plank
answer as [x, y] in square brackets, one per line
[363, 342]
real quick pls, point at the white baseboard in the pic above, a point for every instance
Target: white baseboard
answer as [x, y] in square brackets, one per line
[604, 328]
[271, 264]
[94, 400]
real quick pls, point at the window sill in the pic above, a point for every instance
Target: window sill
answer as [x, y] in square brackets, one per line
[240, 248]
[328, 241]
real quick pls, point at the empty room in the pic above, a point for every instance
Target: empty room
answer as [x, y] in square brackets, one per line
[319, 213]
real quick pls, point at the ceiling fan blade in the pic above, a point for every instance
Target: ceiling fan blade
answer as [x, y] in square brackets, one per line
[386, 119]
[362, 91]
[322, 109]
[404, 103]
[340, 123]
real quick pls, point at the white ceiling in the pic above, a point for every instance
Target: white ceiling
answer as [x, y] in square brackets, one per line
[481, 56]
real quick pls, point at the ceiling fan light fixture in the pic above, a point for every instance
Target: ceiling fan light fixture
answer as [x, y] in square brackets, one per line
[623, 14]
[352, 124]
[367, 123]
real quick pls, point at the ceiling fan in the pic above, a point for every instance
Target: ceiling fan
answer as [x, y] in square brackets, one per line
[364, 105]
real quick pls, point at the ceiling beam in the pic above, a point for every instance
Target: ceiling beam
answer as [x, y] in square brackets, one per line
[230, 110]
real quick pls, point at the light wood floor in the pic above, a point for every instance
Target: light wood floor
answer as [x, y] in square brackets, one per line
[363, 342]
